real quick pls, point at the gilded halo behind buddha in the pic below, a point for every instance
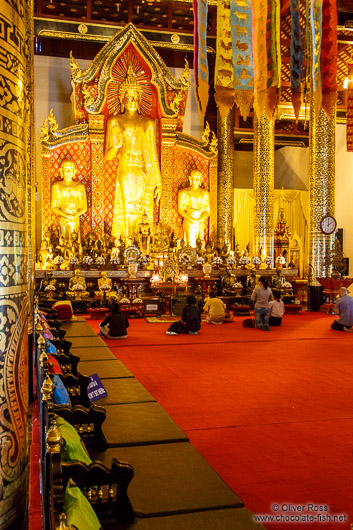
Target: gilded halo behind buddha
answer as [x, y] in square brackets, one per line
[131, 155]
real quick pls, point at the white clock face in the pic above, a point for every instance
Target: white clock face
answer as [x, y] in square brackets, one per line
[328, 224]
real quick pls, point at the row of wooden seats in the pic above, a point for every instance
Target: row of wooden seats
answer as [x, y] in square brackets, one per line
[105, 487]
[174, 487]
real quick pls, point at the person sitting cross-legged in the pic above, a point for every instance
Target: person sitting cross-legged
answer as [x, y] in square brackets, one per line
[215, 309]
[115, 325]
[344, 308]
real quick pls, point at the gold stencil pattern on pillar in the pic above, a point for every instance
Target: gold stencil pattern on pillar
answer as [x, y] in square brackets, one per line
[15, 156]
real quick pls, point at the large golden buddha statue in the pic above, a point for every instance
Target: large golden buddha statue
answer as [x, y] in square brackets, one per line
[68, 200]
[132, 137]
[194, 207]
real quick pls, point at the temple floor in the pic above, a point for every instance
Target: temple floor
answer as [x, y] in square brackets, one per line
[270, 412]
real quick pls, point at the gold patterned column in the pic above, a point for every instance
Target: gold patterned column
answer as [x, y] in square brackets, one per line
[322, 136]
[225, 183]
[264, 163]
[96, 133]
[15, 155]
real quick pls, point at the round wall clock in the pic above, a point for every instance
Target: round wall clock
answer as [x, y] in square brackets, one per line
[328, 224]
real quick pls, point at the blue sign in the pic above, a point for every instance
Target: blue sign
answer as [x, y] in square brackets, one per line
[95, 389]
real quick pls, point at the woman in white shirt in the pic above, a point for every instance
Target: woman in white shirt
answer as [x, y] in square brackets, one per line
[276, 312]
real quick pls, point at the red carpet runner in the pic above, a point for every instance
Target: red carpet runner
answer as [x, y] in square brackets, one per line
[272, 412]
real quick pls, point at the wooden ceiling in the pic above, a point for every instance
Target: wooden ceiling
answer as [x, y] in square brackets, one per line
[158, 20]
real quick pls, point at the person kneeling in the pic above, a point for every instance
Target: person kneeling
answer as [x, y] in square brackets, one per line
[115, 325]
[276, 312]
[344, 308]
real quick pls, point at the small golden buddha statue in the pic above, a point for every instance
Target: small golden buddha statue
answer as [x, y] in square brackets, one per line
[89, 246]
[251, 281]
[61, 248]
[225, 252]
[144, 235]
[74, 247]
[278, 280]
[194, 207]
[106, 246]
[104, 283]
[132, 136]
[160, 240]
[43, 253]
[77, 286]
[68, 200]
[228, 282]
[237, 253]
[209, 254]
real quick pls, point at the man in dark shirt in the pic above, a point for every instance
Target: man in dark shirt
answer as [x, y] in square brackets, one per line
[190, 319]
[115, 324]
[191, 316]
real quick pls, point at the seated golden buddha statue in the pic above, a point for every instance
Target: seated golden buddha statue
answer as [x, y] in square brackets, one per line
[61, 249]
[209, 254]
[89, 245]
[68, 200]
[105, 284]
[251, 281]
[74, 247]
[132, 137]
[228, 282]
[77, 286]
[160, 240]
[278, 280]
[194, 207]
[225, 252]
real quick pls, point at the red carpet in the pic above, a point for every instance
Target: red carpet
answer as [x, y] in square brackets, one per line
[272, 412]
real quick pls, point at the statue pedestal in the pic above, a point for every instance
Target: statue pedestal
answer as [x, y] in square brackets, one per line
[206, 283]
[133, 284]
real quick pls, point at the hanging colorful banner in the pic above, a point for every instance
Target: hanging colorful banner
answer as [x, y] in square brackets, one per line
[260, 55]
[224, 77]
[202, 84]
[296, 58]
[243, 67]
[196, 41]
[273, 38]
[316, 35]
[329, 56]
[349, 114]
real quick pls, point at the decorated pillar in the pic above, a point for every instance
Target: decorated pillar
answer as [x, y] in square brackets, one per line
[225, 186]
[263, 162]
[96, 133]
[15, 154]
[321, 188]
